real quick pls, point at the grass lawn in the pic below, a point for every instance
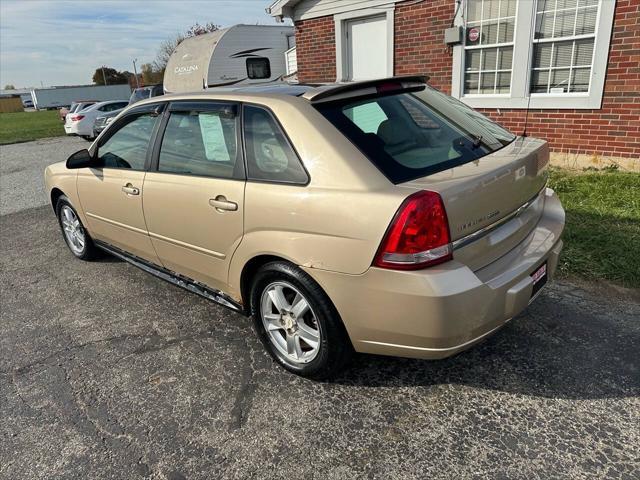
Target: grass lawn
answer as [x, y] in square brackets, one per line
[602, 235]
[25, 126]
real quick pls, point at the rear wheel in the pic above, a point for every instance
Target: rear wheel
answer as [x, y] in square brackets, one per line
[74, 233]
[297, 323]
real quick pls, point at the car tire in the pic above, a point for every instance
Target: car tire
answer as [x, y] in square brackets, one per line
[75, 235]
[311, 342]
[88, 138]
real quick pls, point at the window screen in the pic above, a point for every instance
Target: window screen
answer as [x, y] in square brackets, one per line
[269, 155]
[200, 143]
[561, 62]
[488, 47]
[258, 68]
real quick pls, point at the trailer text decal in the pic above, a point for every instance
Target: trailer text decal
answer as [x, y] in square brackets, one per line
[186, 70]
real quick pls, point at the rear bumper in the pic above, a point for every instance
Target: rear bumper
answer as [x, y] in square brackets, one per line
[440, 311]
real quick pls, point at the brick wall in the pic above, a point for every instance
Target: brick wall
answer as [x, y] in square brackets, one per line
[316, 50]
[613, 130]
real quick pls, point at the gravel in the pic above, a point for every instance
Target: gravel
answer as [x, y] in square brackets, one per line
[22, 168]
[109, 373]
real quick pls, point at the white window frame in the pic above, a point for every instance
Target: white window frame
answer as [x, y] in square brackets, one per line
[521, 77]
[341, 19]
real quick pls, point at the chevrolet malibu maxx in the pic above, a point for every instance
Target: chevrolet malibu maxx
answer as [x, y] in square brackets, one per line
[381, 217]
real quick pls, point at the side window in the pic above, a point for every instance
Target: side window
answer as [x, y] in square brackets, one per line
[127, 147]
[269, 155]
[258, 68]
[201, 143]
[366, 116]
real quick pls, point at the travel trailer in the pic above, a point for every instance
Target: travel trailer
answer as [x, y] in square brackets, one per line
[240, 54]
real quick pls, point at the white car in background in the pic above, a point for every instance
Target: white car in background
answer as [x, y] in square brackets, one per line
[81, 122]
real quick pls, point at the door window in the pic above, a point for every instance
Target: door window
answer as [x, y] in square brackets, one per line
[269, 154]
[201, 143]
[127, 147]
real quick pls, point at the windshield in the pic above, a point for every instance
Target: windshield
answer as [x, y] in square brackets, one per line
[411, 135]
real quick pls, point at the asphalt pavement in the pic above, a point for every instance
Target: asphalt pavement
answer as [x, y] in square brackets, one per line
[109, 373]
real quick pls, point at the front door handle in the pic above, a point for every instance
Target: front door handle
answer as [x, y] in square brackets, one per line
[221, 204]
[130, 189]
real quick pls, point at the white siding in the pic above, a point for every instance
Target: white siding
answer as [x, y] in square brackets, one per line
[319, 8]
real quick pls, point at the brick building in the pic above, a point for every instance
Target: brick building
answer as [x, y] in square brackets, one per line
[575, 64]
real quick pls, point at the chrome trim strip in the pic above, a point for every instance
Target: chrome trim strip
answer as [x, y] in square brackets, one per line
[117, 224]
[427, 349]
[180, 281]
[187, 245]
[472, 237]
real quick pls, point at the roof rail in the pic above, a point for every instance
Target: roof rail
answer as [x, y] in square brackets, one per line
[337, 91]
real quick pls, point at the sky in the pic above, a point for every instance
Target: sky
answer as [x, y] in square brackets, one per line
[63, 42]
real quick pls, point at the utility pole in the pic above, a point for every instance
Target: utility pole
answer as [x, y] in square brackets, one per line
[135, 72]
[104, 77]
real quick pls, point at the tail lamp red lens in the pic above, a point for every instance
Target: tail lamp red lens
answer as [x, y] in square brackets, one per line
[77, 118]
[418, 236]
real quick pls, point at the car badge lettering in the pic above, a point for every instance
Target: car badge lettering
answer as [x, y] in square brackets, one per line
[477, 221]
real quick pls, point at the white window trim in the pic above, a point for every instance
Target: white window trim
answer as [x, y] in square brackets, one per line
[523, 49]
[341, 19]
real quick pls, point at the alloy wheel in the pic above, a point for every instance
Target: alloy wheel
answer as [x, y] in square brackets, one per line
[290, 322]
[73, 231]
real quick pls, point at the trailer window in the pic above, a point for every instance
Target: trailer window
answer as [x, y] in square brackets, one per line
[258, 68]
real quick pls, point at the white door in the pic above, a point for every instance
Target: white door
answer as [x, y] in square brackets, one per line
[366, 48]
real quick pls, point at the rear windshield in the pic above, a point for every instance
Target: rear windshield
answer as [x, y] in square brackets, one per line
[411, 135]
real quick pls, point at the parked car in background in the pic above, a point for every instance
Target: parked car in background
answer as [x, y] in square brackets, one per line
[74, 107]
[27, 104]
[104, 120]
[143, 93]
[81, 121]
[381, 216]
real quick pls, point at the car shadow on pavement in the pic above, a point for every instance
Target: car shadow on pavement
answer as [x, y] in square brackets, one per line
[558, 348]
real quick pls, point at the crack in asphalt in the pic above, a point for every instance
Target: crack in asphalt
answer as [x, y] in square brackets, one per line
[244, 397]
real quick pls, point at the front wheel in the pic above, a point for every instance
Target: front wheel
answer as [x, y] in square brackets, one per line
[297, 323]
[74, 233]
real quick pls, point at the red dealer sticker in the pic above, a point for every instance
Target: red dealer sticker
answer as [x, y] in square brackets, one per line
[474, 34]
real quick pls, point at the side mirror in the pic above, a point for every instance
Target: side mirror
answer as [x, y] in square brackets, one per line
[80, 159]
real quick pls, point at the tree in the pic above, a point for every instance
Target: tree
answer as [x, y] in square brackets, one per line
[168, 46]
[149, 75]
[197, 29]
[111, 75]
[9, 86]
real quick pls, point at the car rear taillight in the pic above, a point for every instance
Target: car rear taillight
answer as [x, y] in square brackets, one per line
[418, 236]
[77, 118]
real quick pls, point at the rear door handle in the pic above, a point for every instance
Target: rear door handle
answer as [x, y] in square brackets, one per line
[130, 189]
[221, 204]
